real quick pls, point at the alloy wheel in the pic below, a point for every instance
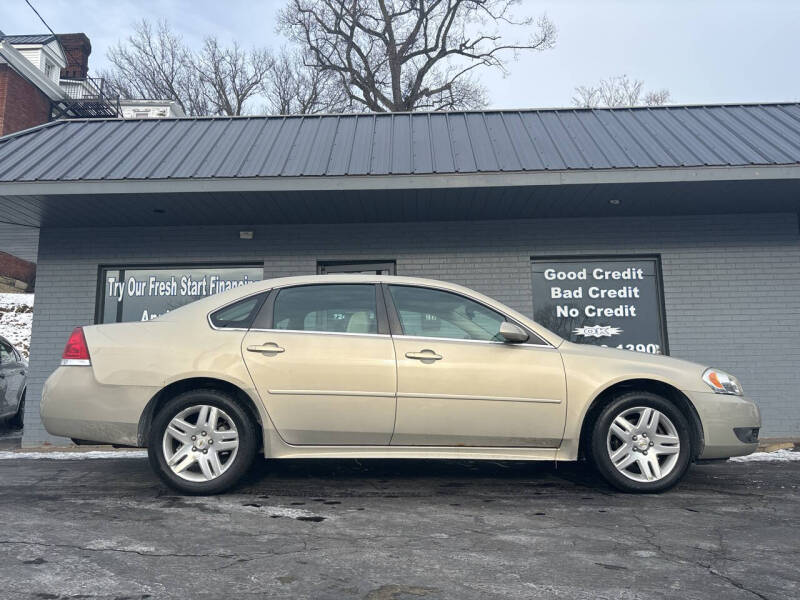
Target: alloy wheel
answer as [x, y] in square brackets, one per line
[643, 444]
[200, 443]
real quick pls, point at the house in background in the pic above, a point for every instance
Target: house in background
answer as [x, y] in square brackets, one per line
[30, 68]
[150, 109]
[44, 77]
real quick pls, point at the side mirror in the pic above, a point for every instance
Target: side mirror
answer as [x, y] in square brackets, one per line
[513, 334]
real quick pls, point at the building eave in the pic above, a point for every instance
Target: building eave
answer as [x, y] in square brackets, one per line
[399, 182]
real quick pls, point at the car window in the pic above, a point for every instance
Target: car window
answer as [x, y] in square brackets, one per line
[6, 353]
[347, 308]
[435, 313]
[239, 315]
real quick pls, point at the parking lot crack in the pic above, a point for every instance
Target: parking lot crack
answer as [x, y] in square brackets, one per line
[733, 582]
[121, 550]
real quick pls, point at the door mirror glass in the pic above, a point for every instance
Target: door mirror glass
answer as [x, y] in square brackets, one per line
[512, 334]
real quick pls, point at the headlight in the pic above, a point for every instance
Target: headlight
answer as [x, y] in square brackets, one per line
[721, 382]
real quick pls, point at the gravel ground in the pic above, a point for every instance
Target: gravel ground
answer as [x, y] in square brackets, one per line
[401, 530]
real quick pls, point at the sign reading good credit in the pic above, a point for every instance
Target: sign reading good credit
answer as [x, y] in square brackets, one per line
[613, 302]
[142, 294]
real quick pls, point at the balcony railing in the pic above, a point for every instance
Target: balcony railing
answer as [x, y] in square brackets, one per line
[88, 98]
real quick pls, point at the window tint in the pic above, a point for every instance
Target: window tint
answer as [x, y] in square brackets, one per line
[434, 313]
[239, 315]
[6, 353]
[334, 308]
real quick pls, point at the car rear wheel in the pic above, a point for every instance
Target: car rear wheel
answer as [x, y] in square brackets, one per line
[641, 443]
[201, 442]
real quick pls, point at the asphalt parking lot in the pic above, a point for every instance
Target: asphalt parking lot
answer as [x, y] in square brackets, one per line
[383, 530]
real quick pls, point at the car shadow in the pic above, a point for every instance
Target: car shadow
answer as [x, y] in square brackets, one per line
[413, 478]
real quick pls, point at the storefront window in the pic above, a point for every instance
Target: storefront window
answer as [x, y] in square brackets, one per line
[366, 267]
[615, 302]
[144, 293]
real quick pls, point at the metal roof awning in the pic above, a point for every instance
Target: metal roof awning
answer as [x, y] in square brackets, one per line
[491, 164]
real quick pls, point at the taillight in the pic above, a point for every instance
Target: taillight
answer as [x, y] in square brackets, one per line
[76, 352]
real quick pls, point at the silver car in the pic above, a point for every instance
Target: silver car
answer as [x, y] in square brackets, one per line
[13, 379]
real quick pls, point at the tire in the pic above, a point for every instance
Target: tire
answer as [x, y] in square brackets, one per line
[18, 420]
[193, 471]
[647, 456]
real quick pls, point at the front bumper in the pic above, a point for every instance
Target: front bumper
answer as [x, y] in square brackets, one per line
[75, 405]
[720, 414]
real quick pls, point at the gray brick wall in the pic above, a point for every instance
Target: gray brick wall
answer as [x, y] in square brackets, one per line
[731, 282]
[19, 240]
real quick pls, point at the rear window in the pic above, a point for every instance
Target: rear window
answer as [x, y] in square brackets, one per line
[239, 315]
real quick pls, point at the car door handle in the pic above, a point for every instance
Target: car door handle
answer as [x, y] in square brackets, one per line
[424, 355]
[269, 348]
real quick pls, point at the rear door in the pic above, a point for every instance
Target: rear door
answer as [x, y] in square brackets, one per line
[323, 363]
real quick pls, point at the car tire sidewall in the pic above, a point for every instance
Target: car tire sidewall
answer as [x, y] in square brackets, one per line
[244, 455]
[599, 452]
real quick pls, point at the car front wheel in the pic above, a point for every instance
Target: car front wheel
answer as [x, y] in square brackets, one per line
[641, 443]
[201, 442]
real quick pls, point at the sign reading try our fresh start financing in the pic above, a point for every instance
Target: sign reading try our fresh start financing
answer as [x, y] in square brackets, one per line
[142, 294]
[613, 302]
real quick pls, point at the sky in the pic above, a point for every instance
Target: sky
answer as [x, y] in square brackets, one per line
[702, 51]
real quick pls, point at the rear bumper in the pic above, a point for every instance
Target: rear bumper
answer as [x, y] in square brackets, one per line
[75, 405]
[720, 414]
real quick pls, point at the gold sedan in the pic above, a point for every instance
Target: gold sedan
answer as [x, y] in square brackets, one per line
[346, 366]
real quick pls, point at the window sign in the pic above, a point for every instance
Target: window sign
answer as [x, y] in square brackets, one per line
[144, 293]
[611, 302]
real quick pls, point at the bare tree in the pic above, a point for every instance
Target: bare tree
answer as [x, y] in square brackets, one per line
[618, 91]
[230, 76]
[294, 88]
[154, 62]
[399, 55]
[656, 97]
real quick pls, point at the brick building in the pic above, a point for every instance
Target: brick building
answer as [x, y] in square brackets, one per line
[668, 230]
[30, 67]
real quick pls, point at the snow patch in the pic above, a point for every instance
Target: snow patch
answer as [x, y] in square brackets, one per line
[272, 511]
[777, 456]
[74, 455]
[16, 317]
